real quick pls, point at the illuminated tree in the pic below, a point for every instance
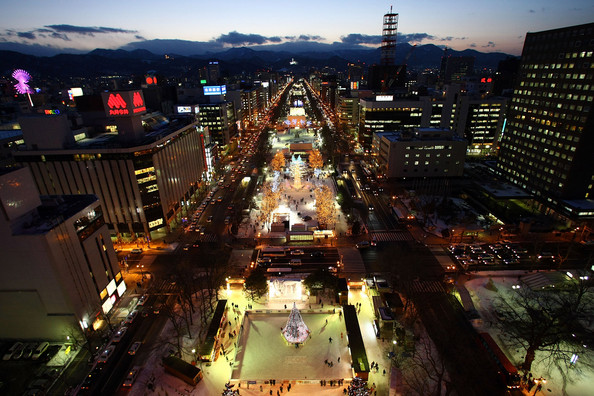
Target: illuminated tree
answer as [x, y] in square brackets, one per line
[278, 162]
[315, 160]
[325, 210]
[270, 200]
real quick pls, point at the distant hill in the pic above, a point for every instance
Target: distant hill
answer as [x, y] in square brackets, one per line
[233, 60]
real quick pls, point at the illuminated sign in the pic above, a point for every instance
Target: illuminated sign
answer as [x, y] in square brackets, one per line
[111, 287]
[486, 80]
[125, 103]
[215, 90]
[74, 92]
[121, 288]
[202, 81]
[184, 109]
[155, 223]
[354, 84]
[384, 98]
[151, 80]
[51, 112]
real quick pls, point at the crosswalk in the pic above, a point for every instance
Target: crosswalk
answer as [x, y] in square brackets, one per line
[209, 238]
[164, 286]
[427, 287]
[392, 236]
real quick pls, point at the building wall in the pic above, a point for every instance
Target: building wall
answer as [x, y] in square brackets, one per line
[549, 135]
[142, 188]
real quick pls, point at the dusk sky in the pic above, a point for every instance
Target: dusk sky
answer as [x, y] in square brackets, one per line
[459, 24]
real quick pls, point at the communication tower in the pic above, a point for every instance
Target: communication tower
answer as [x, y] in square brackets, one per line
[390, 30]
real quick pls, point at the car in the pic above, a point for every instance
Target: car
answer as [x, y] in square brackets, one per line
[136, 251]
[306, 218]
[131, 316]
[209, 220]
[142, 300]
[39, 350]
[297, 252]
[134, 348]
[362, 245]
[317, 253]
[16, 346]
[117, 337]
[18, 352]
[371, 208]
[187, 246]
[29, 349]
[196, 245]
[295, 262]
[131, 377]
[106, 354]
[546, 256]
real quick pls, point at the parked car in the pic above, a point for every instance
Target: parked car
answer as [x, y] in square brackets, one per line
[136, 251]
[297, 252]
[29, 349]
[16, 346]
[142, 300]
[39, 350]
[18, 352]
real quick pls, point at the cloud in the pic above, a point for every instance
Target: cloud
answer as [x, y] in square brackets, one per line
[139, 37]
[472, 45]
[86, 30]
[490, 44]
[414, 37]
[531, 11]
[357, 38]
[60, 36]
[26, 35]
[236, 38]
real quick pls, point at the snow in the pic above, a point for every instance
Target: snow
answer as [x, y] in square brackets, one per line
[483, 298]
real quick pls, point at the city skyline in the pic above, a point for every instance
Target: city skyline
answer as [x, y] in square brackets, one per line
[73, 27]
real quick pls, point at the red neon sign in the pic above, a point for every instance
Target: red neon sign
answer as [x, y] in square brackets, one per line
[116, 101]
[151, 80]
[137, 100]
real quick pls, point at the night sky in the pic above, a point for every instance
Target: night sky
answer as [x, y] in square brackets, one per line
[75, 25]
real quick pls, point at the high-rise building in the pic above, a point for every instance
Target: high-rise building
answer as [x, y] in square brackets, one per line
[455, 68]
[548, 141]
[59, 268]
[145, 169]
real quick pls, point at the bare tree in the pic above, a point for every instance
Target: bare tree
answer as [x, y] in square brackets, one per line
[556, 323]
[424, 373]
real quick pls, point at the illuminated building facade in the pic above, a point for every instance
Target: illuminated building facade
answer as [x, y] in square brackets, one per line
[383, 113]
[422, 152]
[220, 120]
[145, 184]
[59, 268]
[548, 139]
[251, 105]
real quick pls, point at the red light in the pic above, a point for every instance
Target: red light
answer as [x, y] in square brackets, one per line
[149, 80]
[483, 80]
[116, 101]
[154, 80]
[137, 100]
[489, 80]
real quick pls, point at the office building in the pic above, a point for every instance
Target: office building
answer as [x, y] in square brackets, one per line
[548, 139]
[146, 169]
[421, 152]
[59, 268]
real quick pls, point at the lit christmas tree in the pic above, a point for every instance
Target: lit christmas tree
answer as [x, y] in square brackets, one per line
[295, 331]
[358, 387]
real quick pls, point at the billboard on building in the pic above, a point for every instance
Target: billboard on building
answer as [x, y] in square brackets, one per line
[215, 89]
[123, 103]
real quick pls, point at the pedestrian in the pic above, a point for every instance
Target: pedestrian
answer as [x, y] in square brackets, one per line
[261, 388]
[341, 335]
[277, 393]
[285, 306]
[326, 361]
[339, 359]
[289, 388]
[330, 339]
[384, 372]
[326, 321]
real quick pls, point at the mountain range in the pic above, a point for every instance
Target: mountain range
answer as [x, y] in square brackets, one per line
[184, 57]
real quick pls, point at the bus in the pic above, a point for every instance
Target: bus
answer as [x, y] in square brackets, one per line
[507, 370]
[273, 252]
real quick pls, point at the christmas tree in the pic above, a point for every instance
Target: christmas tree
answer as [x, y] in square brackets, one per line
[295, 331]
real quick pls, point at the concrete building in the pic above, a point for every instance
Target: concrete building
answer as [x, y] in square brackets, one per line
[146, 169]
[548, 140]
[59, 268]
[423, 152]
